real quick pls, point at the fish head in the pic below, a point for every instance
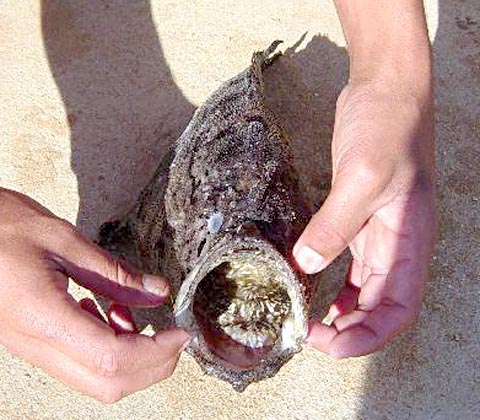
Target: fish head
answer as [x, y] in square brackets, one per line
[245, 308]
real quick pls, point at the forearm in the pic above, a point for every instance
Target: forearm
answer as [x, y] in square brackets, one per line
[387, 39]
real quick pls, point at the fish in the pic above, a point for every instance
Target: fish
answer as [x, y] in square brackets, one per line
[220, 217]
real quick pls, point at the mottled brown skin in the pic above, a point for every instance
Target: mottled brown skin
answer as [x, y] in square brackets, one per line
[232, 160]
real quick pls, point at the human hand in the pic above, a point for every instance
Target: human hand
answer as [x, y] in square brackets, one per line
[41, 323]
[381, 205]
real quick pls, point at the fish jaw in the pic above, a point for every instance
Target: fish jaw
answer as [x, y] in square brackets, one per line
[241, 363]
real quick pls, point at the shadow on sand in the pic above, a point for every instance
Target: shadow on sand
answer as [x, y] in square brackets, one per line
[125, 109]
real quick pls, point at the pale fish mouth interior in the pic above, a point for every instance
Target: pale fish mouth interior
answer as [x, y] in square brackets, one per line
[243, 309]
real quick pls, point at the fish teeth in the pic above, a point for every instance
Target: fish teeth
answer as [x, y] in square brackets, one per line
[247, 303]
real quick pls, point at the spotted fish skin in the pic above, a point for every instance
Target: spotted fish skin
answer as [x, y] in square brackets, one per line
[227, 187]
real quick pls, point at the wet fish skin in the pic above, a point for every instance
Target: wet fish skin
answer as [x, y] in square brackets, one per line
[227, 186]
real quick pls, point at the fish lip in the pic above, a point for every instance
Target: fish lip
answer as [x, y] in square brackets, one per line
[185, 318]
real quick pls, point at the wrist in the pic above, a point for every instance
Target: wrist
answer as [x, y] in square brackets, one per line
[387, 41]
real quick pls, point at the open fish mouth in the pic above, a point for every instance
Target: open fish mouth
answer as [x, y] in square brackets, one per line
[220, 218]
[244, 300]
[244, 307]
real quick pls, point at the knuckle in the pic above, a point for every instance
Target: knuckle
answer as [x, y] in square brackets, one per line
[115, 270]
[168, 370]
[107, 364]
[62, 230]
[364, 177]
[371, 173]
[326, 232]
[109, 394]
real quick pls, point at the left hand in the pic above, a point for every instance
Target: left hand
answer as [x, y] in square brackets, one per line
[43, 324]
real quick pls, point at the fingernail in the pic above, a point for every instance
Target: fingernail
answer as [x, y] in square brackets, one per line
[332, 315]
[155, 286]
[120, 323]
[310, 261]
[328, 320]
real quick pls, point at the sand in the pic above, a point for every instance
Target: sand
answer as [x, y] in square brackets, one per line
[92, 94]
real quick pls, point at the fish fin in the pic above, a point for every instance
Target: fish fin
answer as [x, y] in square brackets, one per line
[263, 59]
[293, 49]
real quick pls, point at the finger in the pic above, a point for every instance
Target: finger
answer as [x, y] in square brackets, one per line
[120, 319]
[361, 333]
[91, 342]
[320, 336]
[396, 305]
[78, 377]
[90, 306]
[333, 227]
[347, 299]
[345, 303]
[94, 268]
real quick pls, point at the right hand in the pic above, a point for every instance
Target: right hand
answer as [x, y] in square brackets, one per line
[41, 323]
[382, 206]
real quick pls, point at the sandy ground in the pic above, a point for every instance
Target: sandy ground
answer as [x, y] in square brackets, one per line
[93, 91]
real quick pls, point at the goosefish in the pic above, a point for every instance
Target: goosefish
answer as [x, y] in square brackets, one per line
[220, 218]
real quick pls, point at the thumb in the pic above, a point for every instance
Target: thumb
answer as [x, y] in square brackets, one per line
[95, 269]
[332, 228]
